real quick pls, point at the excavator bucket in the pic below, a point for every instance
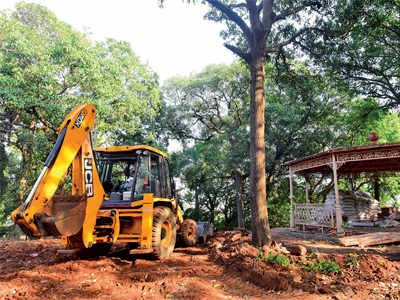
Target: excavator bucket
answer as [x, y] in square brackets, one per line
[64, 216]
[69, 214]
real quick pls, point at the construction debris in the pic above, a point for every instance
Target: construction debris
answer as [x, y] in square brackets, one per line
[356, 205]
[392, 220]
[387, 223]
[369, 239]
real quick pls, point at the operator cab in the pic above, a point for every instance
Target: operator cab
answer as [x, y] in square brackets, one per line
[129, 172]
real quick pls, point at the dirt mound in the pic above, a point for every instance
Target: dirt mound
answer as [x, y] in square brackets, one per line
[293, 268]
[233, 249]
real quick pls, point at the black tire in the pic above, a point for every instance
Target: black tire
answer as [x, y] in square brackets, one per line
[164, 232]
[189, 232]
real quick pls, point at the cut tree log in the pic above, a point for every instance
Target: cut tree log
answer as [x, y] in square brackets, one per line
[370, 239]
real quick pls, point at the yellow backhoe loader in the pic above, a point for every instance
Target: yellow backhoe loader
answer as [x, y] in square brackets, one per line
[119, 194]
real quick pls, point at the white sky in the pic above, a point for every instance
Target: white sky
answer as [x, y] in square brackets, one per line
[174, 40]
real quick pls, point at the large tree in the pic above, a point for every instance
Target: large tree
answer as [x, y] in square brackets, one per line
[208, 113]
[254, 30]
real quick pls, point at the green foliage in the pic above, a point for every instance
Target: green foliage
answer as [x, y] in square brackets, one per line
[272, 258]
[352, 260]
[46, 69]
[363, 116]
[208, 113]
[361, 51]
[320, 266]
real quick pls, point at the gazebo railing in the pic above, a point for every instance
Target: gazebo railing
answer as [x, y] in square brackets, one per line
[314, 214]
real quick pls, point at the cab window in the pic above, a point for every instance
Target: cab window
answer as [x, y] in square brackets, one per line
[155, 176]
[142, 185]
[166, 179]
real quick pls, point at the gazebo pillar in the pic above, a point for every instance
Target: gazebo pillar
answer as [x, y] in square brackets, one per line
[291, 198]
[339, 228]
[307, 178]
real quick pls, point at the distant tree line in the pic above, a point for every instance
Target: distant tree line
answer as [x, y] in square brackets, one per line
[329, 86]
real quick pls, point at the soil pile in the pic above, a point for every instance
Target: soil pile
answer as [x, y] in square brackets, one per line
[289, 267]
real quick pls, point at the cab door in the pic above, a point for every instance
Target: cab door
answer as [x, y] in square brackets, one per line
[142, 183]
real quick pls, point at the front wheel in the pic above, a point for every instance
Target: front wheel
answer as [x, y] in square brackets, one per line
[164, 232]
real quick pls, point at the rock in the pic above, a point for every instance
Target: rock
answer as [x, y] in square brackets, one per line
[297, 250]
[321, 277]
[247, 250]
[284, 250]
[217, 245]
[298, 279]
[220, 239]
[324, 290]
[236, 237]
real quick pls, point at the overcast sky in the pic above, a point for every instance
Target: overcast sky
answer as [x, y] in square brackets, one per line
[174, 40]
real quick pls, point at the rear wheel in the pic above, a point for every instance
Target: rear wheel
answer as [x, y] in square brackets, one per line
[164, 232]
[189, 232]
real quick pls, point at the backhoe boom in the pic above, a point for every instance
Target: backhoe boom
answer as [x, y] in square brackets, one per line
[43, 213]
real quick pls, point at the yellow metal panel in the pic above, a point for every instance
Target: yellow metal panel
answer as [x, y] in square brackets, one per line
[94, 188]
[180, 215]
[147, 221]
[130, 148]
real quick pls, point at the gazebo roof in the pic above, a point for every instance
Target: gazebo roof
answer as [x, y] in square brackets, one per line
[370, 158]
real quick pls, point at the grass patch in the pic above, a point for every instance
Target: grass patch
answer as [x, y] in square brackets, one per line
[274, 259]
[321, 266]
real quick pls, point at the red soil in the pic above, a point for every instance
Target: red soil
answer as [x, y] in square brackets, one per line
[224, 269]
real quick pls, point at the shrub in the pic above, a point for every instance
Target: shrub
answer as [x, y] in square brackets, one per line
[352, 260]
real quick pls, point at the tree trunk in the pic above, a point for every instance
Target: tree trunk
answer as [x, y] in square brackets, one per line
[261, 230]
[212, 216]
[239, 201]
[197, 205]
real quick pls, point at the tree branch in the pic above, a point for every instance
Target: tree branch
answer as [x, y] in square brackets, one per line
[231, 15]
[260, 7]
[290, 40]
[238, 52]
[255, 22]
[268, 14]
[237, 5]
[45, 123]
[297, 9]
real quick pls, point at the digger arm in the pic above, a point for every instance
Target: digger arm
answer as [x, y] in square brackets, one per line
[74, 217]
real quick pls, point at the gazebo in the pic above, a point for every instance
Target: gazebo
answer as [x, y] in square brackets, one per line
[340, 162]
